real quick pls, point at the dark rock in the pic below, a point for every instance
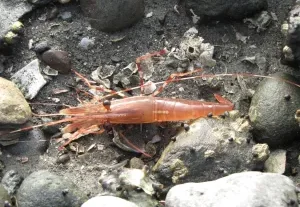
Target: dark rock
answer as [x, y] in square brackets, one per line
[206, 146]
[113, 15]
[11, 181]
[115, 59]
[291, 30]
[219, 9]
[272, 117]
[63, 159]
[35, 143]
[159, 31]
[53, 13]
[58, 60]
[41, 47]
[291, 53]
[43, 188]
[240, 189]
[7, 138]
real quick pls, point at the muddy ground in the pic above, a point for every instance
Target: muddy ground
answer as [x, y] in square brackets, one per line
[141, 38]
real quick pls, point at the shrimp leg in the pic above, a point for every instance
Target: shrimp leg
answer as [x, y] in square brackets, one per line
[80, 133]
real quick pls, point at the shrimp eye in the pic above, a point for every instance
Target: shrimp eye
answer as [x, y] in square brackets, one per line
[107, 104]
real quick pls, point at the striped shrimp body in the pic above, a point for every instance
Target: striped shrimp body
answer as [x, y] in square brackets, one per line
[90, 118]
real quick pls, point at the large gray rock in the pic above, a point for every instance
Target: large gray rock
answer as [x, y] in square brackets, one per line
[247, 189]
[11, 11]
[273, 108]
[45, 189]
[13, 107]
[113, 15]
[211, 149]
[236, 9]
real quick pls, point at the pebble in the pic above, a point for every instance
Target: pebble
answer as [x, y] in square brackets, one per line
[66, 16]
[115, 59]
[58, 60]
[236, 190]
[53, 13]
[64, 1]
[42, 188]
[29, 79]
[40, 2]
[14, 109]
[41, 47]
[63, 159]
[86, 43]
[136, 163]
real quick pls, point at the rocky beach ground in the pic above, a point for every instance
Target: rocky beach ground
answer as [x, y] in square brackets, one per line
[196, 163]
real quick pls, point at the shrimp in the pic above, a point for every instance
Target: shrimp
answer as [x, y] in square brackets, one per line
[94, 115]
[90, 118]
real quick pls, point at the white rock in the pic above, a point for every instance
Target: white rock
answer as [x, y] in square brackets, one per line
[247, 189]
[107, 201]
[276, 163]
[29, 79]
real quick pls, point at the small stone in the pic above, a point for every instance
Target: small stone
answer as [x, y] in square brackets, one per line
[66, 16]
[287, 97]
[136, 163]
[63, 159]
[86, 43]
[40, 2]
[159, 31]
[260, 152]
[17, 27]
[58, 60]
[53, 13]
[115, 59]
[64, 1]
[41, 47]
